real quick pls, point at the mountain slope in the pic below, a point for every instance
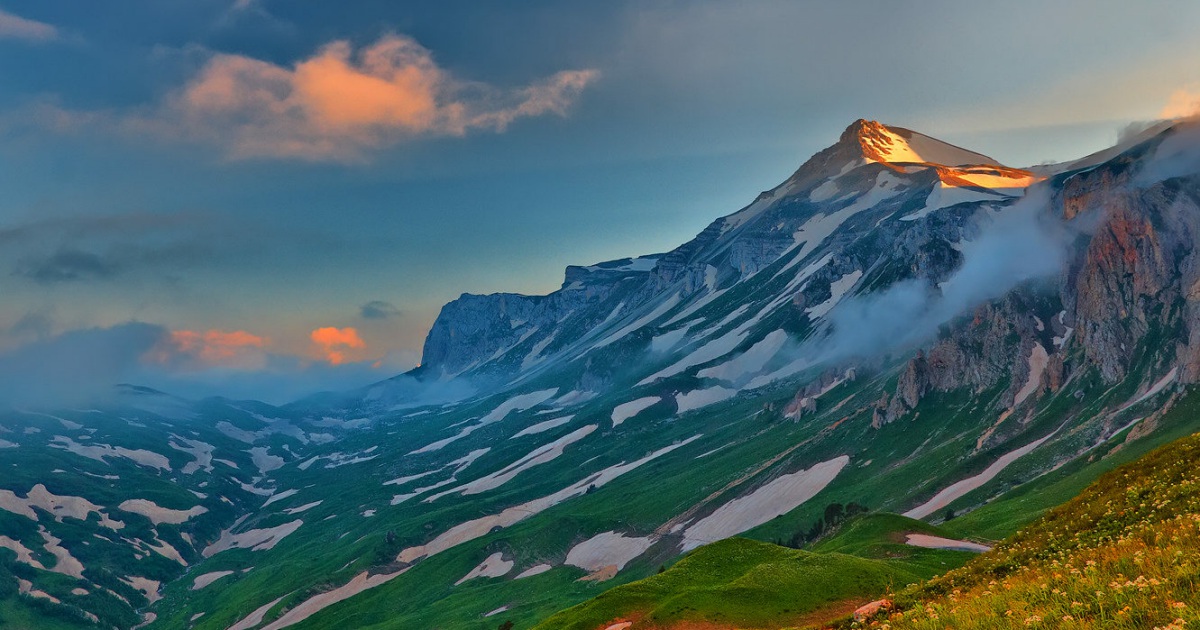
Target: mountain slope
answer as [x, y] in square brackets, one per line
[743, 583]
[755, 347]
[902, 324]
[1119, 555]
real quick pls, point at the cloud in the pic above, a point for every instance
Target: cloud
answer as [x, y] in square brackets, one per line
[128, 247]
[66, 265]
[35, 324]
[337, 105]
[76, 366]
[192, 350]
[83, 366]
[378, 309]
[1021, 243]
[17, 27]
[335, 344]
[1184, 103]
[99, 248]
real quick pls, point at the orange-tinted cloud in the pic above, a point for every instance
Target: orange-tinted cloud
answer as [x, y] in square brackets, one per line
[1184, 103]
[211, 348]
[336, 345]
[340, 103]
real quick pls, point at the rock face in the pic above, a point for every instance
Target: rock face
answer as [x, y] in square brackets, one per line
[982, 350]
[1140, 266]
[1132, 281]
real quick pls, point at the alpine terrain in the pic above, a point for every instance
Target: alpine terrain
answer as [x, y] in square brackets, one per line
[880, 368]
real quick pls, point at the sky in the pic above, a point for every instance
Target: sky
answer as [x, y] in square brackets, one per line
[263, 198]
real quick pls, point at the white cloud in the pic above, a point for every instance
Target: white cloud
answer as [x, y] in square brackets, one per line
[17, 27]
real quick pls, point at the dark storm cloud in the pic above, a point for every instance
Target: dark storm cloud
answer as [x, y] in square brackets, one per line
[89, 249]
[378, 309]
[65, 265]
[77, 265]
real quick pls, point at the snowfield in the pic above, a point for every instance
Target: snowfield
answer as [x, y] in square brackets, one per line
[159, 515]
[608, 549]
[778, 497]
[703, 397]
[493, 567]
[627, 410]
[542, 427]
[961, 488]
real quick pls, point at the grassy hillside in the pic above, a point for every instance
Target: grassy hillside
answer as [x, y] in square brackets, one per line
[1127, 526]
[1122, 554]
[745, 583]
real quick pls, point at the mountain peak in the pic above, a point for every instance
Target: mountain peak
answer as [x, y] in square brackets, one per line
[886, 144]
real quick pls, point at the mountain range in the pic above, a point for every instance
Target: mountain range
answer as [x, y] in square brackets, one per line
[902, 328]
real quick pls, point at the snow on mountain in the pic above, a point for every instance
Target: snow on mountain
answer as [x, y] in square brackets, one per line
[844, 337]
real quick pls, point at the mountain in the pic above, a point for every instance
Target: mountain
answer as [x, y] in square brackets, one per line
[902, 325]
[874, 185]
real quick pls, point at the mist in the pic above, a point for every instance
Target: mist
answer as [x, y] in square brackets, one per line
[1177, 156]
[1020, 243]
[75, 367]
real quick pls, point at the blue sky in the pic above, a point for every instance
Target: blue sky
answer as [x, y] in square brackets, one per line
[271, 167]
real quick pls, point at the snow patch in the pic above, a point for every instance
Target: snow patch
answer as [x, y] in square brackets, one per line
[280, 496]
[65, 563]
[627, 410]
[542, 427]
[252, 539]
[99, 452]
[493, 567]
[815, 230]
[1038, 359]
[476, 528]
[824, 192]
[960, 488]
[607, 549]
[24, 554]
[534, 570]
[703, 397]
[264, 461]
[751, 361]
[1157, 387]
[256, 617]
[541, 455]
[944, 196]
[518, 403]
[159, 515]
[60, 506]
[399, 481]
[659, 311]
[303, 508]
[1059, 342]
[714, 349]
[778, 497]
[201, 452]
[937, 542]
[205, 579]
[838, 289]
